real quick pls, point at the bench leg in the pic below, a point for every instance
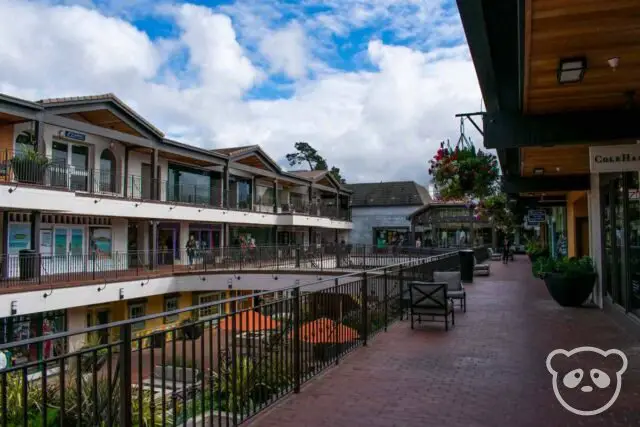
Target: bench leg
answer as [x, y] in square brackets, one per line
[453, 317]
[464, 300]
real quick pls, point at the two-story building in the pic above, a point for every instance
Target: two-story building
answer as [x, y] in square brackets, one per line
[379, 210]
[92, 194]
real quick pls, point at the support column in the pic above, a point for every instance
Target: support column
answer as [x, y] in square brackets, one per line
[153, 238]
[413, 232]
[312, 237]
[39, 137]
[225, 187]
[5, 243]
[310, 197]
[494, 238]
[337, 210]
[125, 172]
[155, 185]
[36, 221]
[276, 197]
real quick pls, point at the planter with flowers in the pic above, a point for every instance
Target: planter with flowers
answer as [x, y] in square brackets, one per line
[463, 172]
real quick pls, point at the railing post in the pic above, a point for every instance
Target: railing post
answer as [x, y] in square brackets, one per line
[386, 299]
[297, 348]
[364, 257]
[402, 299]
[298, 256]
[337, 293]
[364, 288]
[125, 376]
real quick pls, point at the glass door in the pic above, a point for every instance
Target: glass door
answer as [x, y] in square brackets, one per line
[70, 166]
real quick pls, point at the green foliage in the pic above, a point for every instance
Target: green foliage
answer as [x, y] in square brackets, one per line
[535, 248]
[495, 208]
[30, 155]
[33, 403]
[305, 154]
[569, 268]
[464, 172]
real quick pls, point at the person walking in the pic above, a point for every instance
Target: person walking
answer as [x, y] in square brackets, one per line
[191, 250]
[505, 251]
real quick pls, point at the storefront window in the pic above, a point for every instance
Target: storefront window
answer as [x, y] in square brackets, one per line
[265, 196]
[19, 238]
[262, 236]
[240, 192]
[20, 328]
[188, 185]
[634, 241]
[101, 240]
[214, 309]
[137, 310]
[558, 230]
[171, 304]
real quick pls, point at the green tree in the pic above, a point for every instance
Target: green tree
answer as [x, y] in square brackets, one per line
[306, 155]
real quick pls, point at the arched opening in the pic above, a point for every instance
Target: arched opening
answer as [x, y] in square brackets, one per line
[107, 175]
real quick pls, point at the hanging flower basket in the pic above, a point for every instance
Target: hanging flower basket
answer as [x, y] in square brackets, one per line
[463, 172]
[495, 209]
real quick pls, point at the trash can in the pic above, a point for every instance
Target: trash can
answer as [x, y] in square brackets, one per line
[27, 260]
[466, 265]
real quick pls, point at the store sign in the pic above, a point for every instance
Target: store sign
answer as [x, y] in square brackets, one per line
[614, 158]
[76, 136]
[536, 216]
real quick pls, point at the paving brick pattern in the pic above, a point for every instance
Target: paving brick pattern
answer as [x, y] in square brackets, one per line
[489, 371]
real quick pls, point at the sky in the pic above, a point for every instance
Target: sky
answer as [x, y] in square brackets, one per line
[373, 85]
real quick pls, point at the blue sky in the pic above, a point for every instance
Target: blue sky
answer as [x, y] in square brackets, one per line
[373, 84]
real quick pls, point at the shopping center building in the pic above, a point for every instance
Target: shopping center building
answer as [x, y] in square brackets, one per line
[98, 208]
[561, 89]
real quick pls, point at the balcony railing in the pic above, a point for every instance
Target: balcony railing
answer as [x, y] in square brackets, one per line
[214, 367]
[41, 171]
[29, 269]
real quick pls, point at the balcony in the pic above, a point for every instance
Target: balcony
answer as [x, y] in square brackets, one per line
[38, 171]
[30, 271]
[213, 367]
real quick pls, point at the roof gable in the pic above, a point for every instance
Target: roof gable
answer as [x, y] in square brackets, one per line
[399, 193]
[106, 111]
[250, 155]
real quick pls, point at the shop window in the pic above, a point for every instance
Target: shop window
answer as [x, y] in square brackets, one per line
[135, 311]
[19, 238]
[25, 142]
[101, 241]
[212, 310]
[171, 304]
[107, 175]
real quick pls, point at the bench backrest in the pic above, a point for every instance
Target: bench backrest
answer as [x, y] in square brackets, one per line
[431, 295]
[453, 279]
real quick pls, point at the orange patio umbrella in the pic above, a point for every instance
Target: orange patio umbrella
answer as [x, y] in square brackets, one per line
[248, 321]
[326, 331]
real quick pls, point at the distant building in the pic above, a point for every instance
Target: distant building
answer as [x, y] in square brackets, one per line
[379, 210]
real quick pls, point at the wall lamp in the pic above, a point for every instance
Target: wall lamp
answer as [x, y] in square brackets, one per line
[571, 70]
[121, 293]
[14, 307]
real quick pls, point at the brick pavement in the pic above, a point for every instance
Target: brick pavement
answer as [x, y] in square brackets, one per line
[489, 371]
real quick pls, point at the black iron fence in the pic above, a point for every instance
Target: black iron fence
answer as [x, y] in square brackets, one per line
[223, 363]
[31, 268]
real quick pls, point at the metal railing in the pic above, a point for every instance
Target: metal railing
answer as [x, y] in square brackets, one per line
[38, 170]
[29, 268]
[222, 363]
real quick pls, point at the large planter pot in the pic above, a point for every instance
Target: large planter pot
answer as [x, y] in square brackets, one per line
[30, 171]
[192, 332]
[572, 291]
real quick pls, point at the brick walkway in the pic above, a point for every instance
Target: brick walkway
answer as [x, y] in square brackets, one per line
[488, 371]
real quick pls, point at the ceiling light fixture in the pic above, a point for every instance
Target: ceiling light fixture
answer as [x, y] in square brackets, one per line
[614, 62]
[571, 70]
[538, 171]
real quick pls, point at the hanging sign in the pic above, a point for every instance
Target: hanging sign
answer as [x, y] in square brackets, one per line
[614, 158]
[536, 216]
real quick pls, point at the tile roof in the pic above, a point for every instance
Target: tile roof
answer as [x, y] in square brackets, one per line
[234, 151]
[309, 174]
[398, 193]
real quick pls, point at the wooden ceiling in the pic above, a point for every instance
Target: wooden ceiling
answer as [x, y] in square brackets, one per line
[254, 161]
[105, 119]
[7, 119]
[595, 29]
[560, 160]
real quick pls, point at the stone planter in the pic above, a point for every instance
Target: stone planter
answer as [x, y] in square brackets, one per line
[571, 291]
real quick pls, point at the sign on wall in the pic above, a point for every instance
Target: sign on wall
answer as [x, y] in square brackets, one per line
[614, 158]
[536, 216]
[76, 136]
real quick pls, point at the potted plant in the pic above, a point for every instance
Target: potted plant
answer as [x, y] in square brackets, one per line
[535, 249]
[463, 172]
[190, 330]
[570, 281]
[30, 166]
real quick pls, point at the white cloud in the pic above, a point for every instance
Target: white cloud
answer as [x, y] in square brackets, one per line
[376, 125]
[286, 50]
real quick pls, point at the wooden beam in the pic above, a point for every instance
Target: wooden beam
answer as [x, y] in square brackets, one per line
[510, 130]
[539, 184]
